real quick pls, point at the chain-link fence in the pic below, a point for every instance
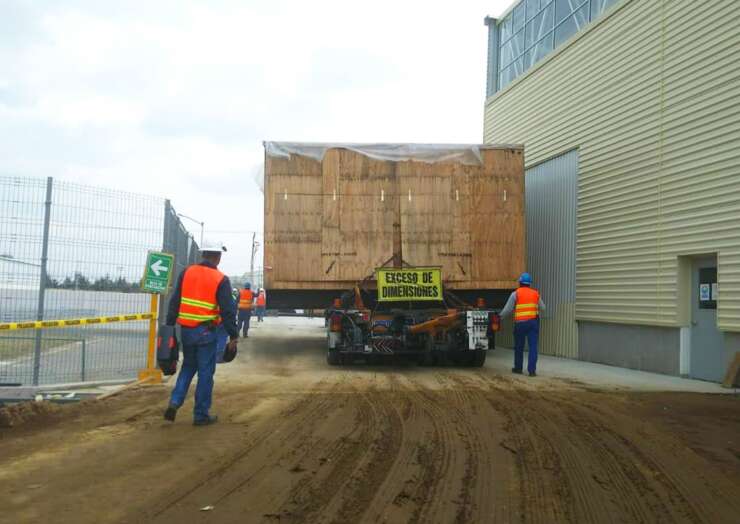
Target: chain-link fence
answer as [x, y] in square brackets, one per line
[70, 251]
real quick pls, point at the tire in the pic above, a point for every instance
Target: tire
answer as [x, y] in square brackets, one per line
[333, 358]
[479, 358]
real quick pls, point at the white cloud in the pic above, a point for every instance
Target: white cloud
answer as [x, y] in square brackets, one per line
[174, 97]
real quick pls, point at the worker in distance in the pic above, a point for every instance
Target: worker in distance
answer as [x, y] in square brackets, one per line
[201, 304]
[526, 304]
[246, 301]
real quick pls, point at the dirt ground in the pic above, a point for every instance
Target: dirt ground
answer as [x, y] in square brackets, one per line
[298, 441]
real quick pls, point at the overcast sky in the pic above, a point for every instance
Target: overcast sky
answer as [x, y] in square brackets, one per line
[174, 97]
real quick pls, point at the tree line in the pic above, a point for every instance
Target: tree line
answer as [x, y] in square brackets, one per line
[104, 283]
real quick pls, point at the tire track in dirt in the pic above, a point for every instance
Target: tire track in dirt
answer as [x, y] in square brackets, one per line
[293, 421]
[607, 477]
[458, 464]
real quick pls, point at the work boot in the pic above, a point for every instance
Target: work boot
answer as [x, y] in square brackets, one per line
[211, 419]
[517, 371]
[532, 374]
[170, 413]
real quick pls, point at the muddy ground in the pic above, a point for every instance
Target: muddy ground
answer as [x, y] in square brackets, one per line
[299, 441]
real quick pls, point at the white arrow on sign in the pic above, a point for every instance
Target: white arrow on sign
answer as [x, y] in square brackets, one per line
[158, 266]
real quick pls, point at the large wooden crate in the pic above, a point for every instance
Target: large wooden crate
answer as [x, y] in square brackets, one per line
[335, 213]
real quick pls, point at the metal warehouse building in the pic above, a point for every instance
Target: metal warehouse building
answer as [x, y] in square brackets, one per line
[629, 111]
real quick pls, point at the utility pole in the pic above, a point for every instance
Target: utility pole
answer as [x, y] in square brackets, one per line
[251, 263]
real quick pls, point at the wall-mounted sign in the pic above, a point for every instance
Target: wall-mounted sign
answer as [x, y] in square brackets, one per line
[708, 288]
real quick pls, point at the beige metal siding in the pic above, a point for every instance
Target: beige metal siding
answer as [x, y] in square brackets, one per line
[650, 95]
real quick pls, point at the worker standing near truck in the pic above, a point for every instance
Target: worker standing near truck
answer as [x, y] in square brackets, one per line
[261, 303]
[246, 299]
[201, 303]
[526, 304]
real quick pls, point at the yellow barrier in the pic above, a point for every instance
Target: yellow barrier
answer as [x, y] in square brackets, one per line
[151, 374]
[45, 324]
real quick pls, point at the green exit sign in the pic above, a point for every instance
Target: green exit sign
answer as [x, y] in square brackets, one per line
[158, 272]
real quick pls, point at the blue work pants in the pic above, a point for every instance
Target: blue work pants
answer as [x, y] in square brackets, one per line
[199, 356]
[528, 330]
[243, 321]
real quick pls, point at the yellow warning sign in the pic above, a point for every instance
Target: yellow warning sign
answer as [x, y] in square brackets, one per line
[73, 322]
[418, 283]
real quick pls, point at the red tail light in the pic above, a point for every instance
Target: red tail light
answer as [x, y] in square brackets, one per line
[335, 323]
[365, 316]
[480, 303]
[159, 342]
[171, 342]
[494, 321]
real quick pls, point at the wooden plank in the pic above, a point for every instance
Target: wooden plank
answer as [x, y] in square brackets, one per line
[292, 218]
[359, 209]
[434, 219]
[497, 217]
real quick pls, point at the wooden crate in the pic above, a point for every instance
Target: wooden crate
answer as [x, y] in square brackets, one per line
[331, 219]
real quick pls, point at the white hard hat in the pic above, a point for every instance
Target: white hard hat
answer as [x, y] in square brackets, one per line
[212, 247]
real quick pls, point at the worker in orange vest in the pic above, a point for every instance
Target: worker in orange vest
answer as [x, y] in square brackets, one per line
[526, 304]
[261, 303]
[201, 304]
[246, 299]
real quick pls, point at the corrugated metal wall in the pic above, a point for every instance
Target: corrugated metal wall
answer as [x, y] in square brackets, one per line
[649, 94]
[551, 189]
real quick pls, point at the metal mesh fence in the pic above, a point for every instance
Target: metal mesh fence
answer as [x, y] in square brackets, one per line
[71, 251]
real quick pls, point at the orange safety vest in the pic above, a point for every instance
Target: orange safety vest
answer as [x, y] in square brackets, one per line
[527, 304]
[261, 300]
[245, 299]
[198, 303]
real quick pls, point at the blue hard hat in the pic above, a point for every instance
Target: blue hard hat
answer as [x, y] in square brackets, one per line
[247, 285]
[525, 279]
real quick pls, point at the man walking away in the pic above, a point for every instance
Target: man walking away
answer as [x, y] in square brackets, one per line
[200, 304]
[261, 303]
[526, 304]
[246, 298]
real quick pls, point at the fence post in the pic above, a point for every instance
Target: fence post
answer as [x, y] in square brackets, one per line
[42, 283]
[82, 364]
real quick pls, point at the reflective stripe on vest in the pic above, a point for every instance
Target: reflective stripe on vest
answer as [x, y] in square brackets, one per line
[245, 299]
[527, 304]
[198, 303]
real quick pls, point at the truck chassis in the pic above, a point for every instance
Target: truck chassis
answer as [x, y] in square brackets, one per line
[429, 336]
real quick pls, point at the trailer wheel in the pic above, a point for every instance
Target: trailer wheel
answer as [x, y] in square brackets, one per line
[333, 358]
[478, 358]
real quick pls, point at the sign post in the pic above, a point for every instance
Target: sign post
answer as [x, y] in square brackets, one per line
[157, 279]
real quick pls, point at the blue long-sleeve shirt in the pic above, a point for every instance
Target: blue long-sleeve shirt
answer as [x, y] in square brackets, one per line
[223, 297]
[509, 307]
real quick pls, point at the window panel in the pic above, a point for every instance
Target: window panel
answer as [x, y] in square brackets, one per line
[539, 26]
[563, 8]
[518, 66]
[505, 27]
[518, 17]
[540, 50]
[505, 77]
[517, 44]
[598, 7]
[571, 25]
[533, 7]
[507, 54]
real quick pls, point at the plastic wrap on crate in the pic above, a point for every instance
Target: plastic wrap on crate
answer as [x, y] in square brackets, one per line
[429, 153]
